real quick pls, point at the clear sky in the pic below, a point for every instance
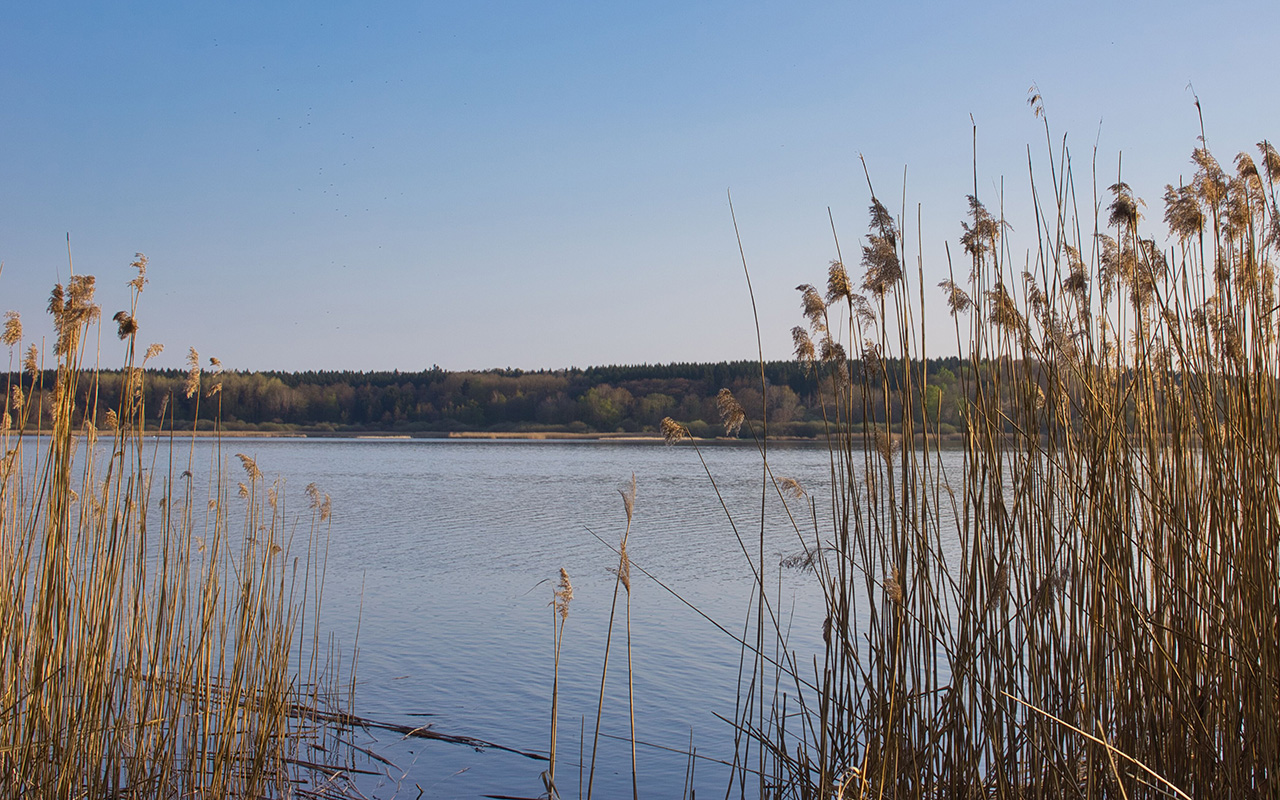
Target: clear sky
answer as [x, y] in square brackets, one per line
[326, 185]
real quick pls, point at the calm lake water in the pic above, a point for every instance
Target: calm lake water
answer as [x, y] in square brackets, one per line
[448, 552]
[444, 553]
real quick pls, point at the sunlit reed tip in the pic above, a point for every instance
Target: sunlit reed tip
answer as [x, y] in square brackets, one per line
[192, 385]
[12, 329]
[792, 488]
[629, 497]
[815, 309]
[140, 264]
[673, 431]
[250, 467]
[838, 284]
[731, 412]
[563, 594]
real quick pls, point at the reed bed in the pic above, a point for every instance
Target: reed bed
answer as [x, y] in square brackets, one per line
[1092, 609]
[159, 640]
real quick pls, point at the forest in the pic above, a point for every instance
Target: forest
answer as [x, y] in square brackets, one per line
[596, 400]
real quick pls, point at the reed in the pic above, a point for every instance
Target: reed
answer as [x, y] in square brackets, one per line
[1092, 607]
[157, 642]
[622, 580]
[561, 596]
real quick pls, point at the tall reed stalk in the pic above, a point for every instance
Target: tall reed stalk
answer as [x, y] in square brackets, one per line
[622, 581]
[560, 599]
[151, 640]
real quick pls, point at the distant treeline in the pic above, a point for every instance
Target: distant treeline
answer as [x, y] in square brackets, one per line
[597, 399]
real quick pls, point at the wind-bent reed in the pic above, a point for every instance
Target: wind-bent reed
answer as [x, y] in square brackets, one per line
[1093, 608]
[153, 643]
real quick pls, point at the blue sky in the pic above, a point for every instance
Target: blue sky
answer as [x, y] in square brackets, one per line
[394, 185]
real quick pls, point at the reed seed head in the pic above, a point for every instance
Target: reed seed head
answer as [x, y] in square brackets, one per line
[1035, 101]
[250, 467]
[983, 235]
[126, 325]
[563, 594]
[154, 349]
[629, 497]
[862, 309]
[12, 329]
[958, 299]
[1210, 182]
[792, 488]
[806, 560]
[838, 285]
[140, 264]
[872, 362]
[192, 385]
[1247, 171]
[1004, 312]
[1124, 207]
[1270, 161]
[31, 363]
[804, 349]
[1000, 583]
[72, 308]
[731, 412]
[880, 260]
[832, 352]
[1182, 212]
[893, 587]
[882, 221]
[673, 431]
[56, 301]
[815, 310]
[886, 446]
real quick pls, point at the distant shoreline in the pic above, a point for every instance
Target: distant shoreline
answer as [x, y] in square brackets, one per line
[947, 442]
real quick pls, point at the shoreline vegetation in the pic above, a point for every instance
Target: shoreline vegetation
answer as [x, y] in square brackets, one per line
[572, 403]
[1093, 609]
[159, 630]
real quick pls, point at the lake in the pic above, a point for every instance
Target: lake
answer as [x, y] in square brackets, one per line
[444, 555]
